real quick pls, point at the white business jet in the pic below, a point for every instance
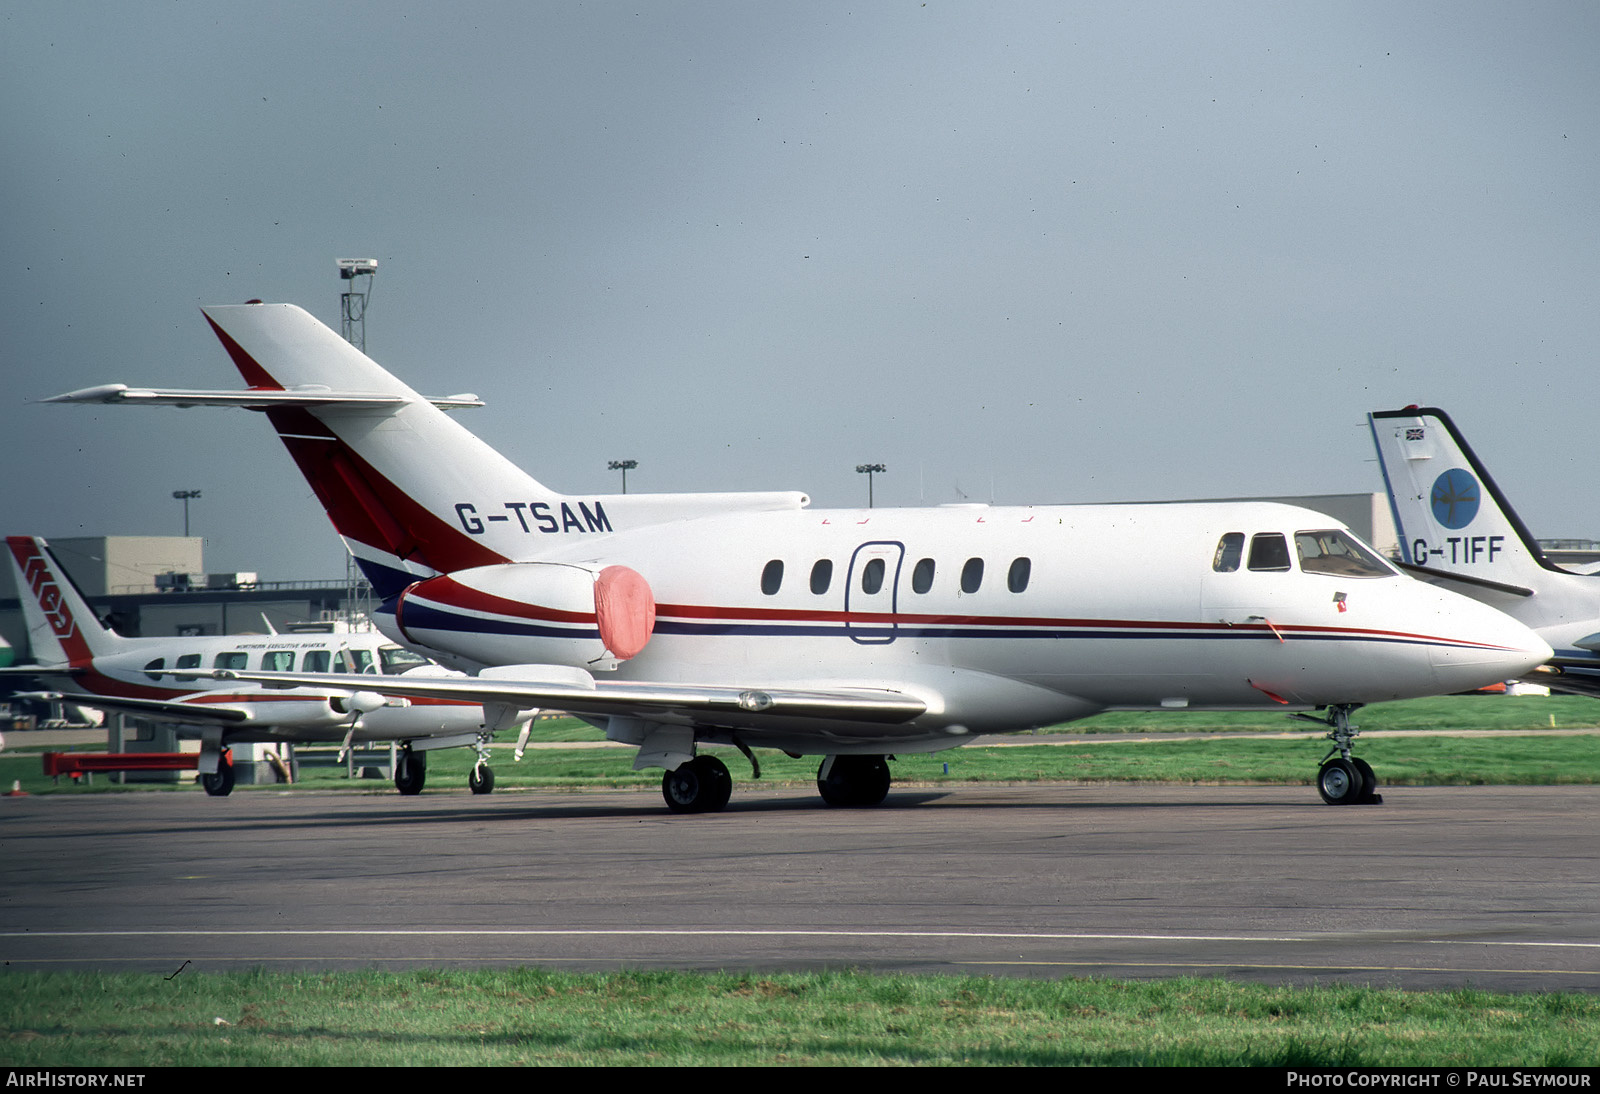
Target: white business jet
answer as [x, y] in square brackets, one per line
[108, 671]
[1458, 530]
[675, 621]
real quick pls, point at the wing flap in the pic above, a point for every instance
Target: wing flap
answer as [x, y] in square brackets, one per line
[744, 706]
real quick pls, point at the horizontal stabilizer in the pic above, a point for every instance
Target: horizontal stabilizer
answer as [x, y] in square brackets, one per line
[1446, 580]
[250, 399]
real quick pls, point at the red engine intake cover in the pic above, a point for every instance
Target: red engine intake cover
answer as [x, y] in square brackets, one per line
[625, 608]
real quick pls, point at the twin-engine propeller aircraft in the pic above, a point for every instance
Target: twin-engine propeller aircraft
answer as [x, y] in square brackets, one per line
[1458, 530]
[679, 620]
[136, 676]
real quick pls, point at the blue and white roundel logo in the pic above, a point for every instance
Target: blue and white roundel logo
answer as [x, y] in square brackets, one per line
[1455, 498]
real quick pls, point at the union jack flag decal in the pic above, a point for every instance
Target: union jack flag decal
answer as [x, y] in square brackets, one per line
[1414, 434]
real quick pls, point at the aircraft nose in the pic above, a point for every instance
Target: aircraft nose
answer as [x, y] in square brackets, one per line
[1487, 647]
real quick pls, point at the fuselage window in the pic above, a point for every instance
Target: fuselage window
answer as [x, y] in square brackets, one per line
[821, 575]
[1230, 549]
[772, 577]
[1333, 552]
[158, 663]
[1269, 551]
[972, 575]
[872, 576]
[1017, 576]
[233, 659]
[188, 661]
[922, 576]
[316, 660]
[277, 661]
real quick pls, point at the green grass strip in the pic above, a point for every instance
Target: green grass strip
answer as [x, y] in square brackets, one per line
[529, 1016]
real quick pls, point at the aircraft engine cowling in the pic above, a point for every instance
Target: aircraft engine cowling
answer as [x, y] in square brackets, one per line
[528, 613]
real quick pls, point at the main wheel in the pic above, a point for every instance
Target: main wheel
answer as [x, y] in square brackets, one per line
[480, 780]
[1369, 783]
[1339, 782]
[410, 771]
[702, 785]
[220, 784]
[855, 781]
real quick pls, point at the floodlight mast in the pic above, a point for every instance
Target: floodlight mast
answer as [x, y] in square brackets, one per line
[184, 496]
[624, 466]
[353, 301]
[870, 469]
[359, 274]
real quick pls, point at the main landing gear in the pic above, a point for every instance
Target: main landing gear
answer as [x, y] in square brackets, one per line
[220, 783]
[410, 770]
[703, 785]
[853, 780]
[1343, 779]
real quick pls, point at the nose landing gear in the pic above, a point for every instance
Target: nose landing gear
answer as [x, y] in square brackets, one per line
[1343, 779]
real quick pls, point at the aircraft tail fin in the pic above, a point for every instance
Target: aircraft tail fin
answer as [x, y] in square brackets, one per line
[62, 629]
[391, 468]
[413, 493]
[1450, 515]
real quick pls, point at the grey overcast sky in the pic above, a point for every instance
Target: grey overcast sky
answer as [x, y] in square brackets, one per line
[1020, 252]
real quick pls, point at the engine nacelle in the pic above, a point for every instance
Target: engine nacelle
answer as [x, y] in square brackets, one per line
[527, 613]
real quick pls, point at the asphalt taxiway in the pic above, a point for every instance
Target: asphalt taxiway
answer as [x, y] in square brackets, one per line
[1495, 887]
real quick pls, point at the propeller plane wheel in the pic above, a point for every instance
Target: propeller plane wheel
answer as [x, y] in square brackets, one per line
[410, 771]
[220, 784]
[855, 781]
[480, 780]
[1340, 783]
[703, 785]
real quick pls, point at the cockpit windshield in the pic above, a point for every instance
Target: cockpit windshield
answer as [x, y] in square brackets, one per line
[1338, 554]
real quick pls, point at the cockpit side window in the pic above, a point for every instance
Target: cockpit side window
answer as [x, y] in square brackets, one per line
[1338, 554]
[396, 660]
[1269, 551]
[1230, 550]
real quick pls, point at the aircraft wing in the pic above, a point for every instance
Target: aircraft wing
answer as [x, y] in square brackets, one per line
[189, 713]
[724, 706]
[250, 399]
[1567, 675]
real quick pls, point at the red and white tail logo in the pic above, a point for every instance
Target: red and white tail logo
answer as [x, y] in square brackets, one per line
[36, 576]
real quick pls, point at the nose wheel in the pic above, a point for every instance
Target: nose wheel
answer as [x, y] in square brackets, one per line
[480, 780]
[1343, 779]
